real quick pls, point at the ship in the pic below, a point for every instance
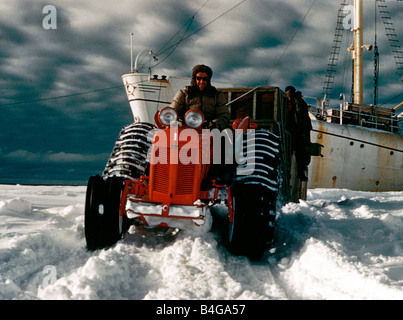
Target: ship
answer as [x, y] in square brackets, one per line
[363, 144]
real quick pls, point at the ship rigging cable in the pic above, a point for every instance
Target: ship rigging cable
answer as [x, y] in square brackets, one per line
[175, 45]
[67, 95]
[289, 43]
[185, 37]
[187, 25]
[334, 56]
[59, 97]
[162, 50]
[393, 39]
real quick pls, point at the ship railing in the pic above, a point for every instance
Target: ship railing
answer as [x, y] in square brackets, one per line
[366, 116]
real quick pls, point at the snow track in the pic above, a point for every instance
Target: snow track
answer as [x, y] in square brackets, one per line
[338, 244]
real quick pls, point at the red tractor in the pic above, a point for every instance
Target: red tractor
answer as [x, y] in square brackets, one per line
[165, 175]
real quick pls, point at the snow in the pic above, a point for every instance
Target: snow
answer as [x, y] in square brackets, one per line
[338, 244]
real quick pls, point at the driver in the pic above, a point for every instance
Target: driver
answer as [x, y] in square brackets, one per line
[203, 96]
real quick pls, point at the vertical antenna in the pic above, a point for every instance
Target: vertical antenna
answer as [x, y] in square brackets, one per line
[131, 51]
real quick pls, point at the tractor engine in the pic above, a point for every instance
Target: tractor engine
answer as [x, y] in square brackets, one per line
[176, 168]
[170, 195]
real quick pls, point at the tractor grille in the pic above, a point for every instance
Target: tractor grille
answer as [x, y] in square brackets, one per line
[161, 180]
[182, 175]
[161, 176]
[186, 175]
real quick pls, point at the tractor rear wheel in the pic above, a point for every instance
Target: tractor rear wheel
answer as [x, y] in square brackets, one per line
[253, 221]
[254, 195]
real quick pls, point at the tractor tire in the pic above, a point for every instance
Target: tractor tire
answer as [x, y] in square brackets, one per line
[129, 155]
[94, 209]
[103, 224]
[253, 220]
[254, 197]
[113, 222]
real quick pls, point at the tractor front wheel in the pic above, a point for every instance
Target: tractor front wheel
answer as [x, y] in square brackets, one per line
[103, 224]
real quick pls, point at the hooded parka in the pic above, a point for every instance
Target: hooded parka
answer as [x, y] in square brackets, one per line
[210, 101]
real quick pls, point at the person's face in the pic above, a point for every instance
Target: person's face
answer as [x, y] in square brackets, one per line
[201, 80]
[288, 94]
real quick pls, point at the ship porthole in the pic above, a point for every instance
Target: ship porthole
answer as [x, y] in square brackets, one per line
[361, 145]
[392, 153]
[351, 143]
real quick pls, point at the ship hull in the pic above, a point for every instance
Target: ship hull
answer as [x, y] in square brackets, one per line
[356, 158]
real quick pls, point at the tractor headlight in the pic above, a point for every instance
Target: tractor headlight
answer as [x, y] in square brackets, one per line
[168, 116]
[194, 118]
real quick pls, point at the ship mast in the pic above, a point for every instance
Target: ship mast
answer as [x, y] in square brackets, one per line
[357, 53]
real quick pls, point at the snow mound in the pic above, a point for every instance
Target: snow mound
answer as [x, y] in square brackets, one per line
[16, 206]
[331, 274]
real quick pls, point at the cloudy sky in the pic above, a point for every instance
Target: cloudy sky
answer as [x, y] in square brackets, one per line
[61, 97]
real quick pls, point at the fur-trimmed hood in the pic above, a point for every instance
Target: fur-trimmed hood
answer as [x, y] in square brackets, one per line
[201, 68]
